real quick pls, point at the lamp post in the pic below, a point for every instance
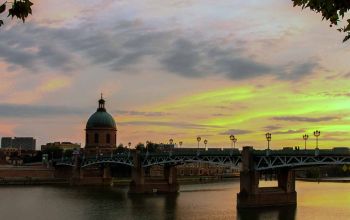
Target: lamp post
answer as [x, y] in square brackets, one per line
[129, 144]
[305, 137]
[171, 141]
[316, 134]
[180, 143]
[205, 143]
[232, 137]
[198, 140]
[234, 142]
[268, 138]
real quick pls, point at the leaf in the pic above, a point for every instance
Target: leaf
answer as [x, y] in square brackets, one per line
[346, 38]
[2, 8]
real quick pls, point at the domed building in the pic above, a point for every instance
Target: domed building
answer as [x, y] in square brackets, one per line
[101, 132]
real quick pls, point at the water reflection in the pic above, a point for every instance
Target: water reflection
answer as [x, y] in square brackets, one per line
[275, 213]
[159, 206]
[201, 201]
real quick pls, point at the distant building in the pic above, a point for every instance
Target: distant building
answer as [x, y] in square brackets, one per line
[24, 143]
[63, 145]
[6, 142]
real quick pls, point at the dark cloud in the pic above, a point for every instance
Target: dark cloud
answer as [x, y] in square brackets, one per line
[303, 69]
[305, 119]
[347, 75]
[183, 125]
[271, 127]
[290, 131]
[336, 94]
[296, 71]
[126, 45]
[235, 132]
[241, 68]
[33, 48]
[22, 111]
[183, 59]
[139, 113]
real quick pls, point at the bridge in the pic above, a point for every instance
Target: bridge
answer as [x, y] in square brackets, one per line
[250, 162]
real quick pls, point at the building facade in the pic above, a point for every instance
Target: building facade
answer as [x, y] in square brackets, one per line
[100, 132]
[24, 143]
[62, 145]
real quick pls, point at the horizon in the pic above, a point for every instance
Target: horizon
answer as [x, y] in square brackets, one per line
[267, 67]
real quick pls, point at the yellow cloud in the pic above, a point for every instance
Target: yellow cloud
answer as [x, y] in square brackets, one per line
[54, 84]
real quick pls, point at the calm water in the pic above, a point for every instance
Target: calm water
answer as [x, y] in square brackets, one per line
[205, 201]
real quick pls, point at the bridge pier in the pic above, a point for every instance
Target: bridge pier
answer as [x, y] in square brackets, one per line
[251, 196]
[139, 184]
[93, 175]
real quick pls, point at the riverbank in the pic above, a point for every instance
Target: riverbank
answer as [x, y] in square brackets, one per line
[29, 175]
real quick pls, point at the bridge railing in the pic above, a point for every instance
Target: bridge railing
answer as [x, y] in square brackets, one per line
[302, 152]
[195, 152]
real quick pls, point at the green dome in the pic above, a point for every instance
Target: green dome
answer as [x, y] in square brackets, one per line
[101, 119]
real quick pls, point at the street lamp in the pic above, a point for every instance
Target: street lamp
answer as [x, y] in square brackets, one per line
[129, 144]
[234, 142]
[205, 143]
[180, 143]
[171, 141]
[316, 134]
[268, 138]
[305, 137]
[198, 140]
[232, 137]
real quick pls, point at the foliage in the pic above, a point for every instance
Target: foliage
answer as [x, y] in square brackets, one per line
[53, 152]
[68, 153]
[36, 158]
[121, 149]
[18, 8]
[140, 146]
[332, 10]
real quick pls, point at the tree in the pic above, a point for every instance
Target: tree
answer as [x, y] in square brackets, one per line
[332, 10]
[140, 147]
[18, 8]
[53, 152]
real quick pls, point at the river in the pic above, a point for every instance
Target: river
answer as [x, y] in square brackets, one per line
[197, 201]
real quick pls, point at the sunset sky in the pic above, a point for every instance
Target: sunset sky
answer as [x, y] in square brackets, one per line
[176, 69]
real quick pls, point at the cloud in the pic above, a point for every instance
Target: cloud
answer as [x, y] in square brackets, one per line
[23, 111]
[125, 45]
[235, 132]
[347, 75]
[305, 119]
[336, 94]
[271, 127]
[297, 71]
[139, 113]
[183, 125]
[183, 59]
[32, 48]
[290, 131]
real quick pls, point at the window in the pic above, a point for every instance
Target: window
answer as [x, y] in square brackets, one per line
[87, 138]
[108, 138]
[96, 138]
